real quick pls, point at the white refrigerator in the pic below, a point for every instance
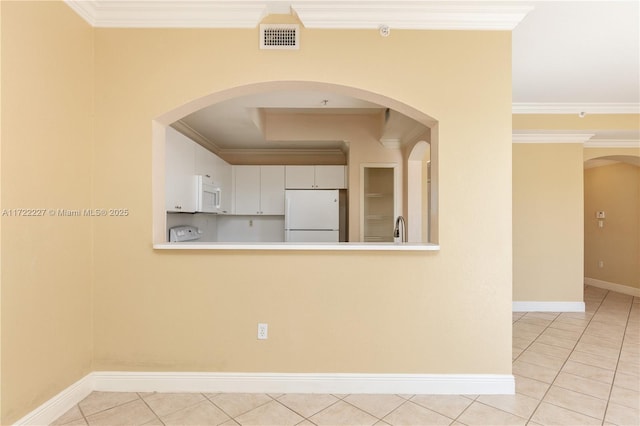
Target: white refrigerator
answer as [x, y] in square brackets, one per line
[312, 216]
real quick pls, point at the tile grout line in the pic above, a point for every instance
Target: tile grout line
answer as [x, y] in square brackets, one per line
[467, 407]
[302, 415]
[82, 413]
[219, 408]
[152, 410]
[358, 408]
[227, 414]
[419, 406]
[86, 417]
[565, 361]
[573, 350]
[453, 420]
[615, 372]
[534, 340]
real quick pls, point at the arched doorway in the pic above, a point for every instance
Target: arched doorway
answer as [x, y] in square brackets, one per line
[612, 223]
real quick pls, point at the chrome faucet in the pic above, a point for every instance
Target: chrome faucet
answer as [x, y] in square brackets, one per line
[396, 230]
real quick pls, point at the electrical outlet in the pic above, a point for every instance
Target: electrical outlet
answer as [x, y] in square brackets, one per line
[600, 263]
[263, 331]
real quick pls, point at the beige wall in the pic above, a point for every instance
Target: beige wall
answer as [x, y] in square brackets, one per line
[547, 222]
[591, 153]
[327, 312]
[574, 122]
[614, 189]
[538, 181]
[47, 101]
[369, 312]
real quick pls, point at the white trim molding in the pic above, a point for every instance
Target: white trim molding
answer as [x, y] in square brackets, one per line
[170, 13]
[542, 137]
[619, 288]
[116, 381]
[391, 143]
[59, 404]
[548, 307]
[485, 384]
[362, 14]
[414, 15]
[612, 143]
[575, 108]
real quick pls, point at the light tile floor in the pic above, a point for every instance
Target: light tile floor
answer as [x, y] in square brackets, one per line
[570, 369]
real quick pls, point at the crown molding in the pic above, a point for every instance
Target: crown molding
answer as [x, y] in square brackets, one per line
[364, 14]
[281, 151]
[196, 136]
[171, 13]
[414, 15]
[391, 143]
[575, 108]
[551, 137]
[613, 143]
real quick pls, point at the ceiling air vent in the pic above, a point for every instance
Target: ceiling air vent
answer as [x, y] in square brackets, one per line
[279, 36]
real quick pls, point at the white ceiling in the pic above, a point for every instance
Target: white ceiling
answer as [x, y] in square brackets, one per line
[568, 56]
[584, 52]
[237, 123]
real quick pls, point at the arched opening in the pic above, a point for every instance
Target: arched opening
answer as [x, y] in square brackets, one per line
[612, 223]
[280, 93]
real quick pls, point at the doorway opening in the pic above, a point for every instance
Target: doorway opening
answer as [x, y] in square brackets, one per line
[612, 223]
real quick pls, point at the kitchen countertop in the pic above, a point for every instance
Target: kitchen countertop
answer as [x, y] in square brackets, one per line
[299, 246]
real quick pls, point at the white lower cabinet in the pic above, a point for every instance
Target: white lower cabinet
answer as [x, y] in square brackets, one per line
[259, 190]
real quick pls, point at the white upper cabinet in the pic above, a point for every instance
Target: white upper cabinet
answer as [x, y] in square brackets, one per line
[205, 161]
[259, 190]
[246, 189]
[185, 159]
[180, 189]
[315, 177]
[330, 177]
[300, 177]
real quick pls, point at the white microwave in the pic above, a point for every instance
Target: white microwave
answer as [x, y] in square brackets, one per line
[208, 195]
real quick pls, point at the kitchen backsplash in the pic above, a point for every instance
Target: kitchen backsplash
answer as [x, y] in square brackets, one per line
[232, 228]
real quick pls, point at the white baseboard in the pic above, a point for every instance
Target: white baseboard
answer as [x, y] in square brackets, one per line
[59, 404]
[110, 381]
[306, 383]
[548, 307]
[618, 288]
